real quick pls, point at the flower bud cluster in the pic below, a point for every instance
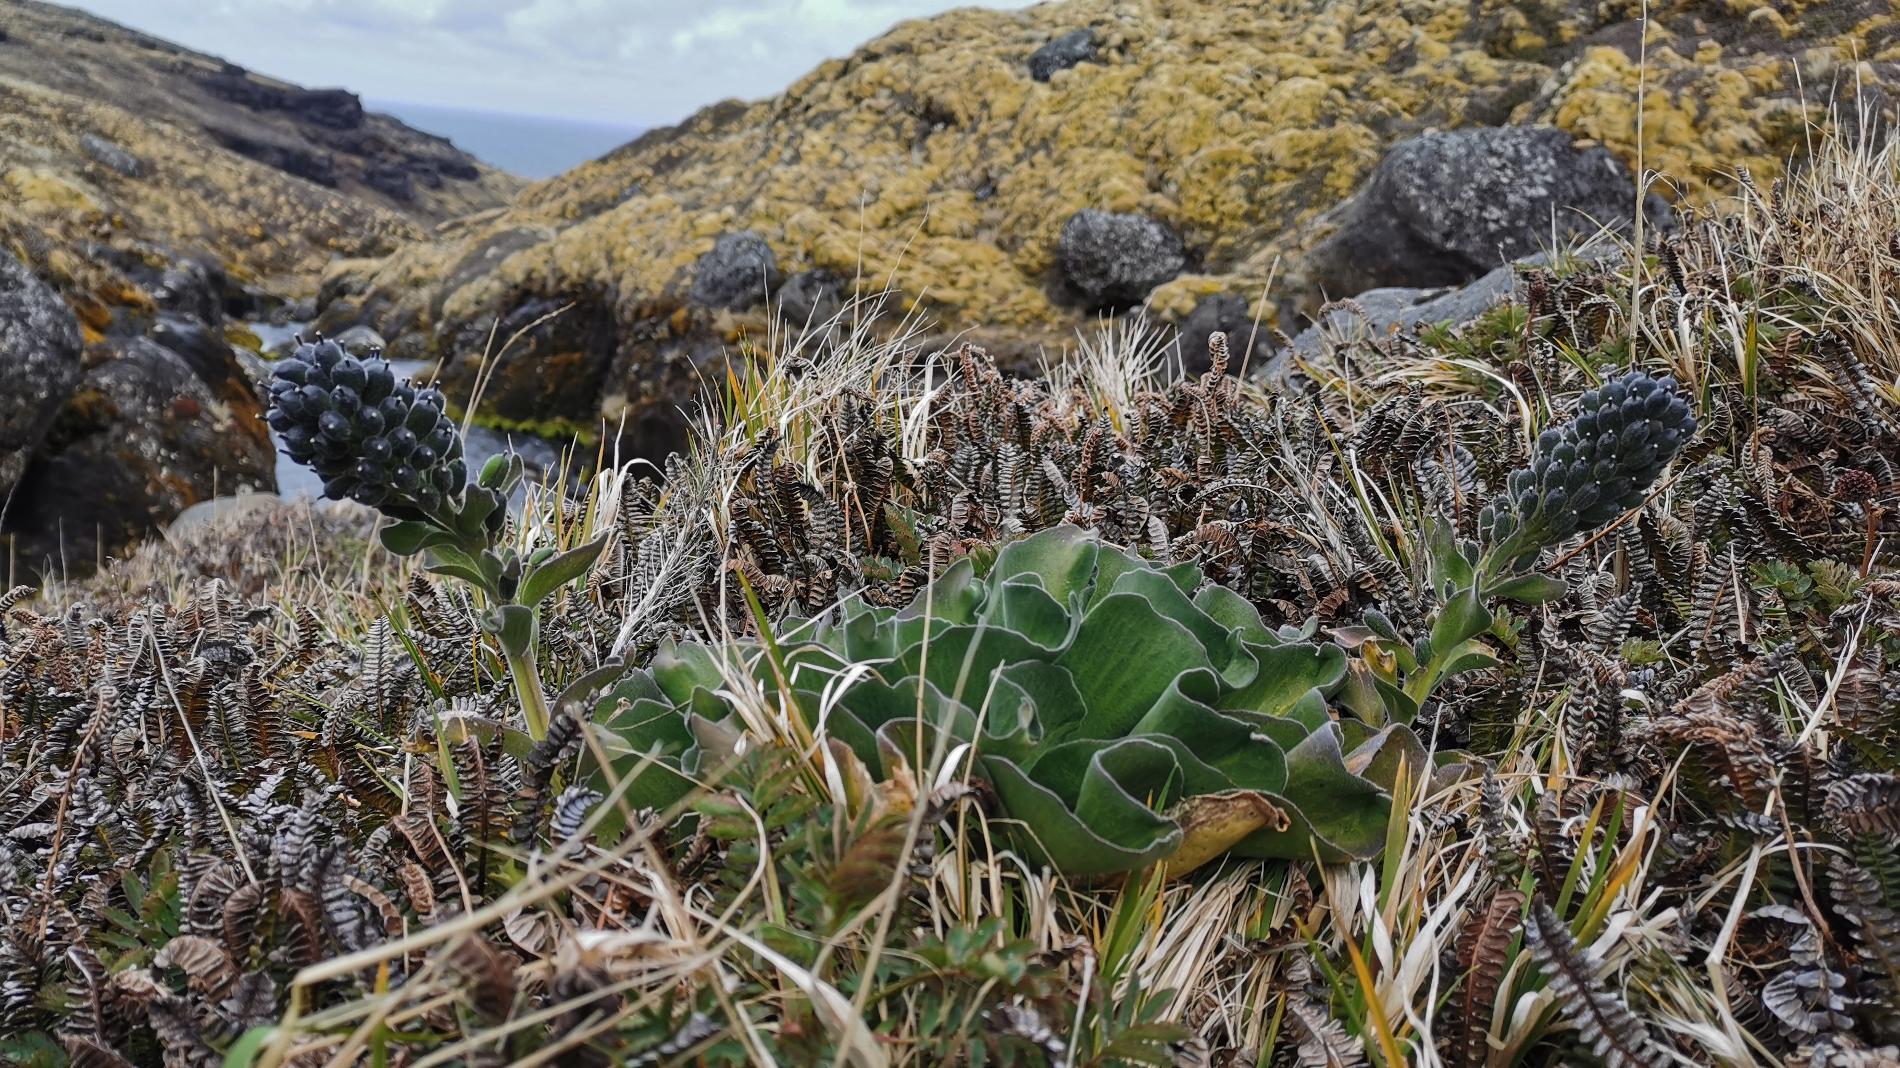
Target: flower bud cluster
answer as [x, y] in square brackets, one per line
[1595, 467]
[369, 437]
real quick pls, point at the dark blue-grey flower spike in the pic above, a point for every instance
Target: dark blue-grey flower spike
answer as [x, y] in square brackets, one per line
[369, 437]
[1588, 471]
[393, 446]
[1583, 474]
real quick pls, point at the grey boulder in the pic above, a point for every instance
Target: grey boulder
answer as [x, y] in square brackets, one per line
[1444, 208]
[1061, 53]
[1114, 259]
[40, 365]
[739, 272]
[111, 156]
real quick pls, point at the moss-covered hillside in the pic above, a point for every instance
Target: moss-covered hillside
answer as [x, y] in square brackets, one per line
[933, 160]
[118, 149]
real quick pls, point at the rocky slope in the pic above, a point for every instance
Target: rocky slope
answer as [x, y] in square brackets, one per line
[108, 136]
[149, 196]
[1019, 173]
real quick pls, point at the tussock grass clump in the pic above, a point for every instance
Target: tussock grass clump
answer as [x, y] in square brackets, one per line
[1657, 823]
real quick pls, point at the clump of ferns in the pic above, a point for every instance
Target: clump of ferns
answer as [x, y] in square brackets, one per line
[196, 804]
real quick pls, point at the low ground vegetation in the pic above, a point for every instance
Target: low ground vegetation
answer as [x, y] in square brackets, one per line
[919, 715]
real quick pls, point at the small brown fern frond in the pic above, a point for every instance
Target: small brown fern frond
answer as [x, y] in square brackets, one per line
[1482, 947]
[1322, 1042]
[1605, 1023]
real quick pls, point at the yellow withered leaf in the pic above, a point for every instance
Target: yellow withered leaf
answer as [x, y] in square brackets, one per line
[1211, 824]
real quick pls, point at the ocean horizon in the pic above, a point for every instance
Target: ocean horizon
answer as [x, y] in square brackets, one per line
[532, 146]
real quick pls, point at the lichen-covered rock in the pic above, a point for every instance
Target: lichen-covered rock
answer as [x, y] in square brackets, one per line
[111, 156]
[1076, 46]
[739, 272]
[1445, 208]
[811, 298]
[118, 151]
[931, 161]
[39, 364]
[142, 438]
[1115, 259]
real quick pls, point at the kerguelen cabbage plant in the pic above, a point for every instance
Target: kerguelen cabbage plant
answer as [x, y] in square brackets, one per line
[391, 445]
[1124, 714]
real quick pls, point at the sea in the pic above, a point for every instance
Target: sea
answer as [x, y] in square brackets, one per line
[531, 146]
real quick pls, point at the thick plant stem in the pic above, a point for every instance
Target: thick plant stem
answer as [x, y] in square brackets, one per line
[526, 673]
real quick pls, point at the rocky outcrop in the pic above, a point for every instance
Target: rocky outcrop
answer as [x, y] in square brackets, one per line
[1444, 208]
[934, 162]
[137, 180]
[39, 366]
[1114, 260]
[162, 416]
[143, 437]
[320, 135]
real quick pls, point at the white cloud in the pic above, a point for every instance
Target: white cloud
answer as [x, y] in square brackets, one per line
[634, 62]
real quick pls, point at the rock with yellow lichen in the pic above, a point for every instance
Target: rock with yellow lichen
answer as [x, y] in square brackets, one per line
[937, 161]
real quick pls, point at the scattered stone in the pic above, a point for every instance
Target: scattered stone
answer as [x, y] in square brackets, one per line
[1115, 260]
[1230, 313]
[1076, 46]
[811, 298]
[1445, 208]
[1381, 312]
[39, 364]
[111, 156]
[360, 340]
[739, 272]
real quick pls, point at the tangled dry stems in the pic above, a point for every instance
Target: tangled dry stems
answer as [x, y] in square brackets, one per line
[242, 822]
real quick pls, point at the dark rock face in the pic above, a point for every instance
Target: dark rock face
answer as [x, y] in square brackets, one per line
[1229, 313]
[142, 438]
[337, 109]
[200, 345]
[1076, 46]
[310, 165]
[111, 156]
[39, 364]
[191, 288]
[1444, 208]
[1114, 260]
[811, 298]
[739, 272]
[549, 356]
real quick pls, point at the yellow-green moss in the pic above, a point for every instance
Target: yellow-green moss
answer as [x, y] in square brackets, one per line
[932, 162]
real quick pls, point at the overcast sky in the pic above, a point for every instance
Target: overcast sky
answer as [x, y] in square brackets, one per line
[626, 62]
